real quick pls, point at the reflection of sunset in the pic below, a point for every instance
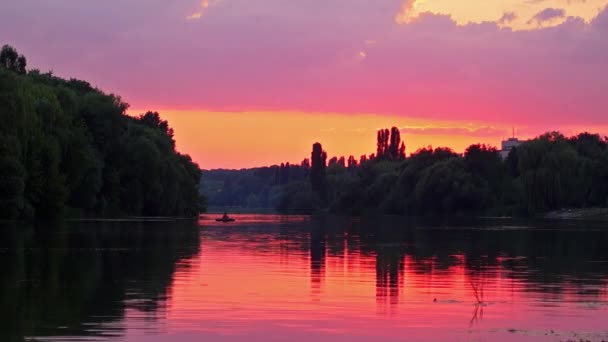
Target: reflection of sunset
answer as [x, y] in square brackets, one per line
[277, 282]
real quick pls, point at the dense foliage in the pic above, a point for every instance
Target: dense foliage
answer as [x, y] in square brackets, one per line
[548, 173]
[65, 144]
[254, 189]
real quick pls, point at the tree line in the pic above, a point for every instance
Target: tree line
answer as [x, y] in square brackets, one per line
[67, 147]
[252, 189]
[547, 173]
[550, 172]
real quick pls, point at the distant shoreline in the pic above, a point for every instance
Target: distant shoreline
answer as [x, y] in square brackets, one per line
[586, 214]
[578, 214]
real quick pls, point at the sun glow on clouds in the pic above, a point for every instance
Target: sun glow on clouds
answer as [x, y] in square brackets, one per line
[407, 13]
[204, 6]
[515, 14]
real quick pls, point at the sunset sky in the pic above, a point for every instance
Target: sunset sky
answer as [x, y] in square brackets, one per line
[256, 82]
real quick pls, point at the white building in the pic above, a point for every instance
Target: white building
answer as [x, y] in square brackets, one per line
[508, 145]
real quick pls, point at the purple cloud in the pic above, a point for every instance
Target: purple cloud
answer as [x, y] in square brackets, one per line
[507, 17]
[547, 15]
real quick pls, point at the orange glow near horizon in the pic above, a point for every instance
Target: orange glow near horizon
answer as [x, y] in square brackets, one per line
[234, 140]
[251, 139]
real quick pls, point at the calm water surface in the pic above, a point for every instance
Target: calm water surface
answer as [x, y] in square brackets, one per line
[271, 278]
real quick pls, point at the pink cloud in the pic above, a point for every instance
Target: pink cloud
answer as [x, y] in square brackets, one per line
[275, 55]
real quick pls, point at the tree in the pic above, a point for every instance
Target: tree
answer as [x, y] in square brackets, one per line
[305, 163]
[64, 144]
[305, 166]
[12, 186]
[11, 60]
[402, 151]
[484, 162]
[284, 173]
[393, 149]
[446, 187]
[551, 173]
[153, 120]
[382, 143]
[352, 163]
[318, 173]
[389, 145]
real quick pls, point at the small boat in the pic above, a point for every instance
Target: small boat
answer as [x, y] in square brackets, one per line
[225, 218]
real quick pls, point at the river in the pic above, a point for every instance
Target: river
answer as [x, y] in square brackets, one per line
[297, 278]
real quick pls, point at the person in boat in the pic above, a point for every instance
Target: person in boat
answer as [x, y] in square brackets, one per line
[225, 217]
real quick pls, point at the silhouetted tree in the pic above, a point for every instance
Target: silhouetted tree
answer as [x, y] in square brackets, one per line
[318, 174]
[277, 175]
[395, 142]
[402, 151]
[382, 143]
[284, 173]
[153, 120]
[282, 179]
[483, 161]
[11, 60]
[352, 162]
[305, 163]
[389, 145]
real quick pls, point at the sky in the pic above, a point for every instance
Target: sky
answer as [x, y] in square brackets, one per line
[256, 82]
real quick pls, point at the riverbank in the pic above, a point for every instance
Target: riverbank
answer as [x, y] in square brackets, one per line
[578, 214]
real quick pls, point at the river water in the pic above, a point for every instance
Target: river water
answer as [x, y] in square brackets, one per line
[277, 278]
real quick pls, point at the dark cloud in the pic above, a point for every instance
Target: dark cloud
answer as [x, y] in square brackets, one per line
[547, 15]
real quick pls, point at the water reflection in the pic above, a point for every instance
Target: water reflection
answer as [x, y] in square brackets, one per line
[317, 259]
[85, 279]
[273, 278]
[390, 266]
